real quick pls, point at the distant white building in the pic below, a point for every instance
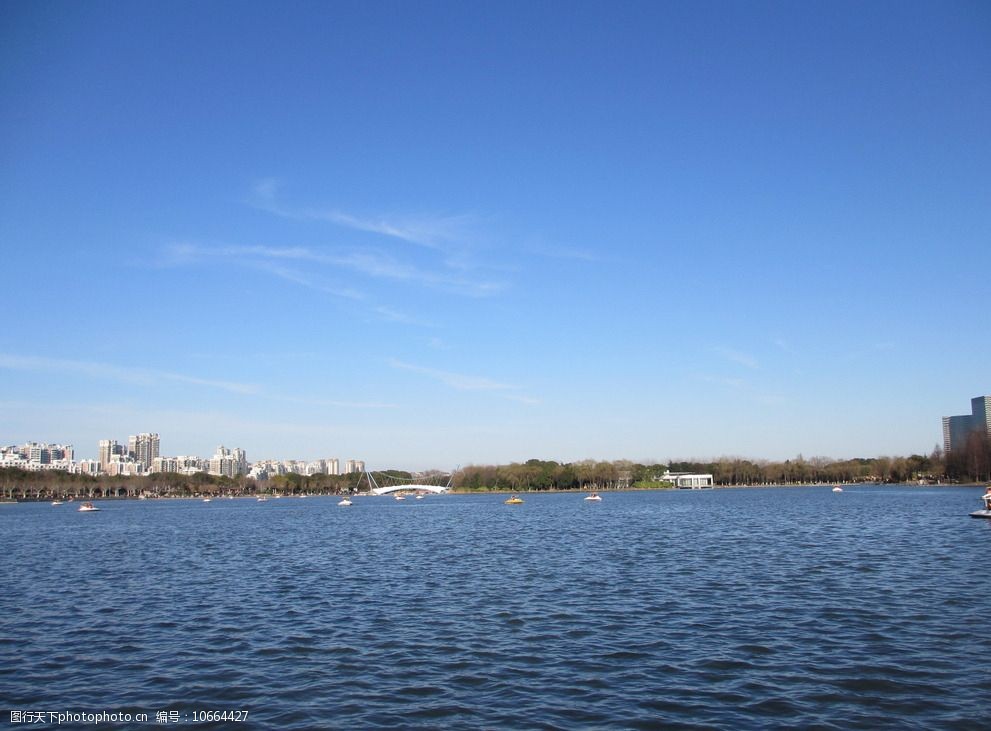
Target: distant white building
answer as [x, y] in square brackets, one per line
[123, 466]
[13, 459]
[259, 471]
[688, 480]
[183, 465]
[229, 462]
[39, 453]
[295, 466]
[89, 467]
[59, 465]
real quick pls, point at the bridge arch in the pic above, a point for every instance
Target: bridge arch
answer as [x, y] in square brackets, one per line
[408, 488]
[394, 483]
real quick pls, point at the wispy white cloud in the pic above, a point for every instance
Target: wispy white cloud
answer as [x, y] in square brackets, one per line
[152, 377]
[456, 381]
[434, 232]
[744, 388]
[392, 315]
[372, 263]
[462, 382]
[738, 357]
[735, 383]
[784, 345]
[336, 403]
[111, 372]
[566, 252]
[529, 400]
[438, 232]
[304, 279]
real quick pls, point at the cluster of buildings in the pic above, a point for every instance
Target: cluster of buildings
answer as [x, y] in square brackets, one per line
[271, 467]
[134, 458]
[957, 430]
[36, 456]
[140, 455]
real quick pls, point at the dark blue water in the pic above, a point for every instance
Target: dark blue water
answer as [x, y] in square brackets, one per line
[757, 608]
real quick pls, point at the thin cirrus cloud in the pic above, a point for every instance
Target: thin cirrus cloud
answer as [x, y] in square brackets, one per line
[567, 252]
[735, 383]
[152, 377]
[456, 381]
[375, 264]
[272, 260]
[141, 376]
[462, 382]
[338, 404]
[784, 346]
[392, 315]
[297, 277]
[433, 232]
[738, 357]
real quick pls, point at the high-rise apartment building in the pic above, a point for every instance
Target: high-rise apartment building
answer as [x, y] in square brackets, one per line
[143, 448]
[980, 409]
[240, 458]
[108, 449]
[354, 465]
[957, 429]
[229, 462]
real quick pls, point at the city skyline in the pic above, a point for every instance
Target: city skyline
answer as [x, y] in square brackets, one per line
[141, 456]
[143, 449]
[449, 234]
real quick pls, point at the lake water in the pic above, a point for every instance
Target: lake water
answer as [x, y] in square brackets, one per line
[725, 609]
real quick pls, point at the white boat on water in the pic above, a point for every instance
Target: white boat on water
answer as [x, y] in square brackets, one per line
[206, 499]
[400, 497]
[345, 502]
[837, 489]
[419, 497]
[263, 499]
[88, 508]
[594, 497]
[986, 498]
[56, 502]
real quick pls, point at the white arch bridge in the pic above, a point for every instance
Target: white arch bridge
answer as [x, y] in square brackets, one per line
[392, 483]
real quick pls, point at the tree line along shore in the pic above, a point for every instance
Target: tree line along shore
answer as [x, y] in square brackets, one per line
[532, 475]
[537, 474]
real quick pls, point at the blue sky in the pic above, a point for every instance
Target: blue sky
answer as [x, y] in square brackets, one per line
[425, 234]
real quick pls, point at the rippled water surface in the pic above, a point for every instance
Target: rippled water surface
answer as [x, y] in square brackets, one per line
[758, 608]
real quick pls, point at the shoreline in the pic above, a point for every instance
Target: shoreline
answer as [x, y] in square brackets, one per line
[497, 491]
